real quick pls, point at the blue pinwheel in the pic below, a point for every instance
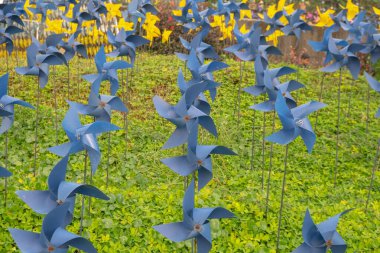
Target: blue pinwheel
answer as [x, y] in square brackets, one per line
[191, 18]
[227, 8]
[344, 57]
[53, 237]
[251, 44]
[373, 46]
[6, 37]
[295, 25]
[41, 9]
[184, 115]
[72, 46]
[322, 237]
[78, 17]
[7, 104]
[295, 122]
[374, 85]
[198, 158]
[95, 8]
[106, 71]
[137, 10]
[59, 192]
[100, 106]
[64, 3]
[50, 47]
[38, 65]
[82, 137]
[200, 101]
[274, 22]
[202, 73]
[203, 50]
[8, 14]
[19, 9]
[355, 28]
[195, 223]
[125, 43]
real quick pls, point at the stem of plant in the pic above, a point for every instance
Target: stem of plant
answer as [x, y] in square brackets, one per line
[263, 157]
[269, 169]
[282, 199]
[374, 168]
[36, 128]
[337, 131]
[83, 197]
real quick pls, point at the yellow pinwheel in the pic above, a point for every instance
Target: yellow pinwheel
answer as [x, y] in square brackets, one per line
[113, 10]
[166, 35]
[325, 18]
[377, 11]
[352, 10]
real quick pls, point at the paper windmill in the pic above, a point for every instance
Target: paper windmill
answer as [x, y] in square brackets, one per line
[184, 116]
[373, 47]
[322, 237]
[274, 22]
[106, 71]
[203, 50]
[20, 9]
[8, 14]
[295, 25]
[59, 193]
[355, 28]
[7, 104]
[100, 106]
[251, 44]
[125, 43]
[6, 37]
[41, 8]
[374, 85]
[53, 237]
[227, 8]
[95, 8]
[198, 159]
[4, 172]
[82, 137]
[77, 16]
[344, 57]
[195, 223]
[49, 47]
[203, 73]
[65, 4]
[38, 65]
[71, 47]
[294, 122]
[137, 10]
[191, 18]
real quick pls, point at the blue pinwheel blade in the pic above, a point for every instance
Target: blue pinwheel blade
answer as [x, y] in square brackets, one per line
[328, 227]
[310, 232]
[63, 238]
[372, 82]
[179, 164]
[4, 172]
[99, 127]
[40, 201]
[55, 219]
[26, 241]
[200, 215]
[304, 247]
[282, 137]
[69, 189]
[304, 110]
[176, 231]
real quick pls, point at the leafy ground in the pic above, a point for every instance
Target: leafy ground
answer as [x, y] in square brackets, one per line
[144, 192]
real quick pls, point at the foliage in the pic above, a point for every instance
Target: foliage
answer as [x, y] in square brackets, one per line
[124, 223]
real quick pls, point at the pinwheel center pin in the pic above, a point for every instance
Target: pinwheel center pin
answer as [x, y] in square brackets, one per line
[186, 118]
[60, 202]
[199, 162]
[104, 71]
[77, 136]
[300, 122]
[51, 248]
[197, 227]
[1, 105]
[102, 104]
[328, 243]
[284, 94]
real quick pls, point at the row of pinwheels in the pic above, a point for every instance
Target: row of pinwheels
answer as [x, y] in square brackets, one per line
[193, 110]
[58, 202]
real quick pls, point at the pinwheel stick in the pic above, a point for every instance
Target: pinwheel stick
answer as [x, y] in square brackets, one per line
[263, 153]
[374, 168]
[238, 95]
[253, 139]
[68, 81]
[82, 207]
[337, 130]
[350, 98]
[6, 166]
[269, 169]
[55, 108]
[367, 109]
[108, 158]
[36, 128]
[282, 199]
[319, 100]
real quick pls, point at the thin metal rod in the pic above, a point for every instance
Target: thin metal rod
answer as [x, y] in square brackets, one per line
[319, 99]
[367, 109]
[6, 166]
[263, 154]
[282, 199]
[373, 175]
[253, 140]
[83, 197]
[269, 169]
[55, 108]
[68, 80]
[36, 127]
[350, 98]
[108, 158]
[337, 131]
[237, 103]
